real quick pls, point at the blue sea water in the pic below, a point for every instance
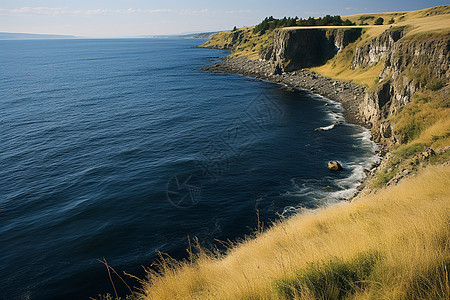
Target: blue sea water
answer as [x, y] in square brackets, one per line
[118, 148]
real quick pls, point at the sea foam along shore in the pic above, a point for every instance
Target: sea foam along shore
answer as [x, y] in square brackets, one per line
[345, 93]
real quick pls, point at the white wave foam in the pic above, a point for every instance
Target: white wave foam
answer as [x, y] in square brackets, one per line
[325, 128]
[343, 188]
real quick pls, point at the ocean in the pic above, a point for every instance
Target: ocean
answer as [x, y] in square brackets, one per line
[116, 149]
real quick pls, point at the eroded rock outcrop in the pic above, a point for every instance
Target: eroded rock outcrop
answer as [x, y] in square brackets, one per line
[409, 64]
[294, 49]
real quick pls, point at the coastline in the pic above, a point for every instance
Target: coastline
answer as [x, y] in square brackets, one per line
[349, 95]
[387, 230]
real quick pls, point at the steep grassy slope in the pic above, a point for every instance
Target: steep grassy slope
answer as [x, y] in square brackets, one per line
[390, 245]
[242, 42]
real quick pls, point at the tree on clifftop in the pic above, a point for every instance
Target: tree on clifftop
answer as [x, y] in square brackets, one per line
[271, 23]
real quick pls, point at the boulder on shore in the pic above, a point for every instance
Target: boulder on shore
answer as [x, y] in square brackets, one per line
[334, 166]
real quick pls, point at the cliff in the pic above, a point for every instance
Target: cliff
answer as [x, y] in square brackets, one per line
[294, 49]
[393, 79]
[410, 64]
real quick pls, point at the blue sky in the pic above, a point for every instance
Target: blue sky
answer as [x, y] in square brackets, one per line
[114, 18]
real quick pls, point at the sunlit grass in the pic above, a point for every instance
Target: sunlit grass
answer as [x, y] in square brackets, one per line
[426, 120]
[403, 231]
[339, 68]
[243, 41]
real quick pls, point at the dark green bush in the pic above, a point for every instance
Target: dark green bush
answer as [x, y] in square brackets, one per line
[384, 177]
[379, 21]
[271, 23]
[412, 130]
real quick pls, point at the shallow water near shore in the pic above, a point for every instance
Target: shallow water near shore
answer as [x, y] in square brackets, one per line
[117, 148]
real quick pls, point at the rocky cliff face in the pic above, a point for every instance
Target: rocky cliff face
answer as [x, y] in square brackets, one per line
[299, 48]
[409, 65]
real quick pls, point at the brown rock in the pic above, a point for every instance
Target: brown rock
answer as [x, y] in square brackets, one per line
[427, 153]
[334, 166]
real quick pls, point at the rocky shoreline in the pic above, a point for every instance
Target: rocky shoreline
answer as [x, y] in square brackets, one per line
[348, 94]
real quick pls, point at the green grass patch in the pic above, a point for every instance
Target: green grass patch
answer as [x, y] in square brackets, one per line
[334, 279]
[409, 150]
[435, 84]
[384, 176]
[412, 130]
[441, 158]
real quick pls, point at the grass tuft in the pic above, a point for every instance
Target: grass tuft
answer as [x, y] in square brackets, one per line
[410, 149]
[435, 84]
[384, 176]
[334, 279]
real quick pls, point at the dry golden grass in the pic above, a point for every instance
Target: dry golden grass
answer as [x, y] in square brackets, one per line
[426, 120]
[250, 45]
[406, 225]
[339, 68]
[434, 21]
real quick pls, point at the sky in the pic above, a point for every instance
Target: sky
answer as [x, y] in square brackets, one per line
[121, 18]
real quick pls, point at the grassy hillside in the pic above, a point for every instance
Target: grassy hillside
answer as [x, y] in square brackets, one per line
[390, 245]
[242, 42]
[423, 23]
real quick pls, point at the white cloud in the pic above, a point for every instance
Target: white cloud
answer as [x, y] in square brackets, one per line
[196, 12]
[241, 11]
[27, 11]
[154, 11]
